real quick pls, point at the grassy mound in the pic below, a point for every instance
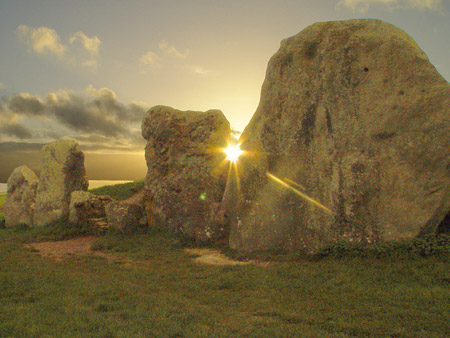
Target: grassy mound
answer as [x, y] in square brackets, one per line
[119, 191]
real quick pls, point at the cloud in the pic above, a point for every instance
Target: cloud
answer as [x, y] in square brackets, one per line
[10, 124]
[172, 51]
[99, 113]
[95, 112]
[199, 70]
[16, 130]
[362, 6]
[26, 104]
[42, 40]
[92, 64]
[169, 56]
[45, 41]
[2, 86]
[150, 58]
[90, 44]
[106, 129]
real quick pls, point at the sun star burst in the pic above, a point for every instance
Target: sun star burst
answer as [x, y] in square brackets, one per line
[233, 152]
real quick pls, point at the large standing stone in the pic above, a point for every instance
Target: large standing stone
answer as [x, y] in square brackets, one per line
[62, 172]
[186, 170]
[355, 113]
[20, 197]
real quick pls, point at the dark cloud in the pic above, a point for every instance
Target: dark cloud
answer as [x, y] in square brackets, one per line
[94, 117]
[20, 146]
[25, 104]
[100, 113]
[86, 117]
[106, 101]
[107, 130]
[16, 130]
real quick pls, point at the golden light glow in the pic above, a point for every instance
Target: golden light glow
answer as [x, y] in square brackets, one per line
[233, 152]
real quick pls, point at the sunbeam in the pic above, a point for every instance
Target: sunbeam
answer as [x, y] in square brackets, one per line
[295, 183]
[301, 194]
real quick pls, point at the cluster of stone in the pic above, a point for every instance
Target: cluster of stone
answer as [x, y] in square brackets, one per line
[60, 193]
[36, 202]
[350, 142]
[62, 173]
[88, 209]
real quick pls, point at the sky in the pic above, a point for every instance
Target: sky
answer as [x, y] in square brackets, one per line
[89, 70]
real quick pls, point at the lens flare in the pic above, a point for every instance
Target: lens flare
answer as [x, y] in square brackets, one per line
[299, 193]
[233, 152]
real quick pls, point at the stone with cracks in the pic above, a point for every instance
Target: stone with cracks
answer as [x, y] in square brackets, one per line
[86, 208]
[186, 170]
[62, 173]
[20, 197]
[354, 116]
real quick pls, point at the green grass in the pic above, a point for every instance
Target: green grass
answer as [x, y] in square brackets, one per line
[163, 293]
[2, 201]
[120, 191]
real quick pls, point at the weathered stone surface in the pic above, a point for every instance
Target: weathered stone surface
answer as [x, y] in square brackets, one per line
[139, 199]
[62, 173]
[123, 216]
[186, 170]
[20, 197]
[86, 208]
[354, 112]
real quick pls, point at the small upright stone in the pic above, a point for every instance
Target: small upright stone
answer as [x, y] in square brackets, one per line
[186, 170]
[20, 198]
[62, 173]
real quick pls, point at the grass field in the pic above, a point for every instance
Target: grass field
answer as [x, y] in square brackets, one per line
[163, 293]
[119, 191]
[2, 201]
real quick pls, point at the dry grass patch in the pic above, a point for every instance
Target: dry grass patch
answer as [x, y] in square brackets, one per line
[215, 257]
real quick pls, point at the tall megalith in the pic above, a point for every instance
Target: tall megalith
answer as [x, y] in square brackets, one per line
[355, 117]
[62, 172]
[186, 170]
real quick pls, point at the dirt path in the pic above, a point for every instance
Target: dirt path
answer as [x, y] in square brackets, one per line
[62, 250]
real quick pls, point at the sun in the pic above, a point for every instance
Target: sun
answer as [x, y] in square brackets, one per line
[233, 152]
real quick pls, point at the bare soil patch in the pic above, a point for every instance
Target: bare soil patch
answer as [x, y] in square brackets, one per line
[61, 250]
